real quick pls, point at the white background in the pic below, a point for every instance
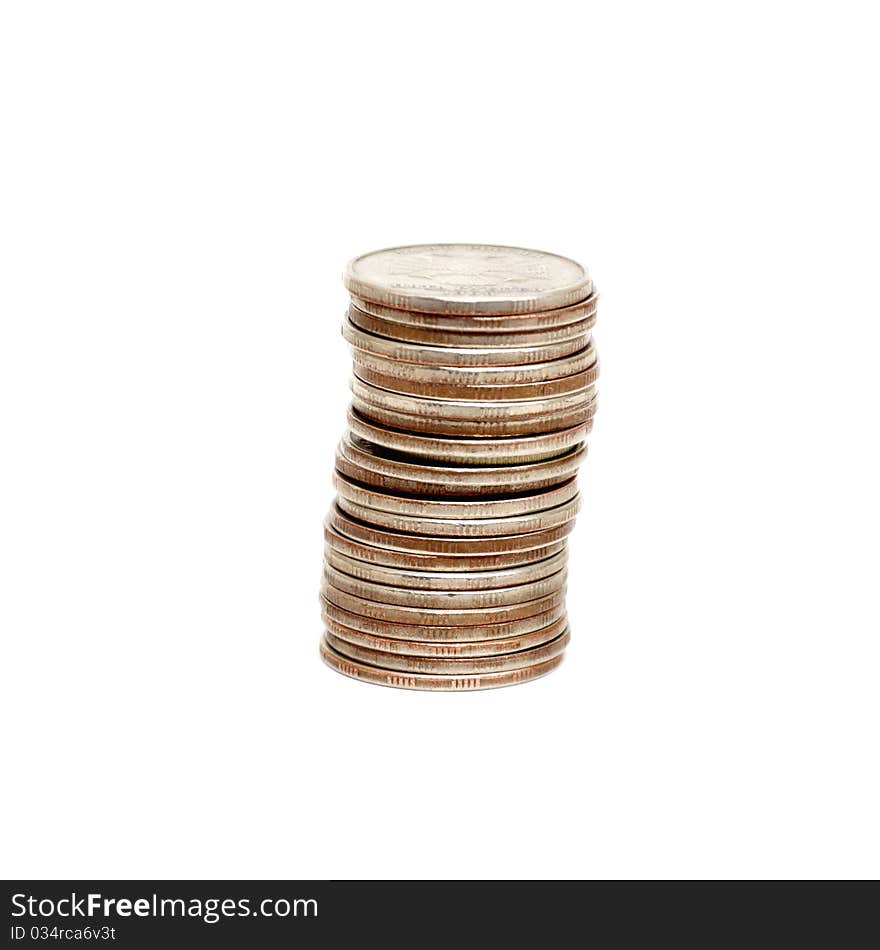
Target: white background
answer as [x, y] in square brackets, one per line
[182, 184]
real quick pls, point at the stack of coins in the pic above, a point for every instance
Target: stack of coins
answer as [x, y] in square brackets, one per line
[474, 388]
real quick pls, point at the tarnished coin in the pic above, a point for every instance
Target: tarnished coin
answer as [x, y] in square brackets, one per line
[486, 375]
[467, 278]
[472, 391]
[474, 428]
[583, 310]
[476, 635]
[448, 546]
[425, 354]
[408, 560]
[444, 599]
[488, 507]
[500, 450]
[373, 465]
[444, 580]
[439, 649]
[440, 616]
[448, 665]
[483, 410]
[448, 336]
[429, 681]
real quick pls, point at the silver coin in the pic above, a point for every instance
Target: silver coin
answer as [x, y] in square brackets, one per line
[395, 330]
[424, 354]
[450, 665]
[440, 616]
[466, 528]
[510, 644]
[464, 509]
[470, 409]
[444, 545]
[467, 278]
[444, 599]
[380, 468]
[471, 391]
[475, 428]
[477, 636]
[484, 375]
[388, 557]
[583, 310]
[434, 681]
[444, 580]
[501, 450]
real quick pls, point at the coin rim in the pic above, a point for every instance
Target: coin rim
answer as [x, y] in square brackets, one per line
[444, 633]
[449, 665]
[435, 683]
[441, 648]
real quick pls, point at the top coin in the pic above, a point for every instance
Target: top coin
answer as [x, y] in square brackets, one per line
[467, 279]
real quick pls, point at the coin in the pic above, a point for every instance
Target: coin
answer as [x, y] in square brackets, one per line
[444, 599]
[398, 330]
[457, 508]
[583, 310]
[373, 674]
[473, 428]
[476, 635]
[506, 450]
[407, 542]
[380, 467]
[444, 580]
[473, 391]
[448, 665]
[509, 644]
[437, 562]
[467, 278]
[425, 354]
[485, 410]
[540, 372]
[384, 482]
[440, 617]
[459, 527]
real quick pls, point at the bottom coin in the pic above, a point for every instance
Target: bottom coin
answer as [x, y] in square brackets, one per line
[455, 665]
[435, 682]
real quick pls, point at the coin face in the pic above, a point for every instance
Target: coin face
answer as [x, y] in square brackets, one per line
[467, 279]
